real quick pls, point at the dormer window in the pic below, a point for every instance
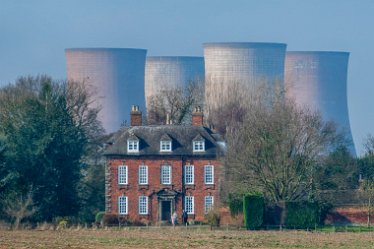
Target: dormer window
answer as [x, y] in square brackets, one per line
[198, 144]
[165, 143]
[133, 144]
[165, 146]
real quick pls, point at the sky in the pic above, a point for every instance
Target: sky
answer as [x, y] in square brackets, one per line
[34, 34]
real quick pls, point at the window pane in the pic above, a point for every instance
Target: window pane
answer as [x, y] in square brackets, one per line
[122, 174]
[165, 174]
[189, 204]
[165, 145]
[143, 174]
[208, 203]
[143, 205]
[208, 174]
[122, 204]
[189, 174]
[132, 146]
[198, 146]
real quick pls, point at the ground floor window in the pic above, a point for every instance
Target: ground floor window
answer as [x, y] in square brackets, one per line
[122, 205]
[189, 204]
[143, 205]
[208, 203]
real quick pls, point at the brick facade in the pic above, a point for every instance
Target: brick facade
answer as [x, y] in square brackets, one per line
[175, 146]
[154, 189]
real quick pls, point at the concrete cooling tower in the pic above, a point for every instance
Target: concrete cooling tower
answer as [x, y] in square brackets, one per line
[318, 80]
[167, 72]
[117, 77]
[246, 64]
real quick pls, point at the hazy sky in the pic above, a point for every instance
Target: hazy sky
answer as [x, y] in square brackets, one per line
[34, 34]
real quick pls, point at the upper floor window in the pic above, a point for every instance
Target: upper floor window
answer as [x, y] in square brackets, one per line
[143, 174]
[209, 174]
[189, 205]
[208, 203]
[198, 146]
[165, 174]
[132, 145]
[122, 174]
[122, 205]
[189, 174]
[165, 146]
[143, 205]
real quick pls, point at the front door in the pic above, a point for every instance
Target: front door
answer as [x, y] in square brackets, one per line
[165, 210]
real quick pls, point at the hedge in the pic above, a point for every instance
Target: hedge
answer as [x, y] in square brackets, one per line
[235, 204]
[253, 209]
[302, 214]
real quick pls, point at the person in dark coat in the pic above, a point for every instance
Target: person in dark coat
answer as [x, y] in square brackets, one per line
[185, 218]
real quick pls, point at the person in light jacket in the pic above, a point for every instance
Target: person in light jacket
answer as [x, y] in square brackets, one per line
[174, 217]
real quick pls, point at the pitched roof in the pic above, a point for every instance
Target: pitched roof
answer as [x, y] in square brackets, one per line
[150, 137]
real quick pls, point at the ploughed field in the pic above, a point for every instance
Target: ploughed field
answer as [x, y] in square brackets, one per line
[182, 238]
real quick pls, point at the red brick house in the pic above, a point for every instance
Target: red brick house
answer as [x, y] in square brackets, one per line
[153, 170]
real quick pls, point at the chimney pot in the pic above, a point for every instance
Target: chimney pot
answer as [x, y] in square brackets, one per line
[198, 117]
[136, 116]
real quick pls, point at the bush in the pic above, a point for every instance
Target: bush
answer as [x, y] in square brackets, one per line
[65, 221]
[302, 214]
[115, 220]
[253, 209]
[235, 204]
[99, 217]
[213, 217]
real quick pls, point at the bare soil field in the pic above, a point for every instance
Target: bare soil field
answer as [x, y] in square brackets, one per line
[181, 238]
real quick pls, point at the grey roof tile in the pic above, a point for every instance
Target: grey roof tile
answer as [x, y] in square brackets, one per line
[150, 137]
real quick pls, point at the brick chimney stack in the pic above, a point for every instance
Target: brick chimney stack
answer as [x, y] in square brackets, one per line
[198, 116]
[136, 116]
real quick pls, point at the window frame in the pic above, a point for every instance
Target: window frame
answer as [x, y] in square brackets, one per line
[167, 143]
[189, 199]
[198, 146]
[205, 174]
[162, 180]
[192, 174]
[123, 204]
[143, 200]
[140, 177]
[134, 145]
[122, 175]
[206, 207]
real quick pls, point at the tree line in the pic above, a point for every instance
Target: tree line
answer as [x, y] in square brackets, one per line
[49, 138]
[51, 143]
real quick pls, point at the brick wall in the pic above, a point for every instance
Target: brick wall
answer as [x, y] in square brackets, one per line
[133, 190]
[348, 215]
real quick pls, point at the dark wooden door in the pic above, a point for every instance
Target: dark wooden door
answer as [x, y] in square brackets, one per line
[165, 210]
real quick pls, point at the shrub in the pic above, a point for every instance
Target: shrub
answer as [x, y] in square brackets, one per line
[302, 214]
[253, 209]
[235, 204]
[63, 222]
[115, 220]
[213, 217]
[99, 217]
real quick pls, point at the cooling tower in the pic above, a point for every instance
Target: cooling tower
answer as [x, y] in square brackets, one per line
[246, 64]
[167, 72]
[117, 77]
[318, 80]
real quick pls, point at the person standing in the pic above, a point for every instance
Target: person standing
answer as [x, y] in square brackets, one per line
[185, 218]
[174, 217]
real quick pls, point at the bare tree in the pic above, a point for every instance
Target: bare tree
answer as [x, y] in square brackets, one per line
[176, 103]
[276, 147]
[20, 208]
[368, 190]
